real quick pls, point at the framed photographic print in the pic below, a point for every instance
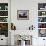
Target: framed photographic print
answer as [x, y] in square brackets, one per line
[23, 14]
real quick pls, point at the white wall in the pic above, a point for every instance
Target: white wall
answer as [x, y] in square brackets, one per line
[3, 1]
[24, 5]
[32, 6]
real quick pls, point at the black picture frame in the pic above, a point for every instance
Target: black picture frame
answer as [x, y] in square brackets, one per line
[22, 14]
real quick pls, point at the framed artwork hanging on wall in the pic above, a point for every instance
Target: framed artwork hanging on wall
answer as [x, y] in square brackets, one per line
[23, 14]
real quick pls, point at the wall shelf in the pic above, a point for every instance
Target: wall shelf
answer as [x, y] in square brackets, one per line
[3, 22]
[42, 19]
[3, 10]
[4, 19]
[41, 28]
[3, 16]
[42, 16]
[42, 10]
[41, 22]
